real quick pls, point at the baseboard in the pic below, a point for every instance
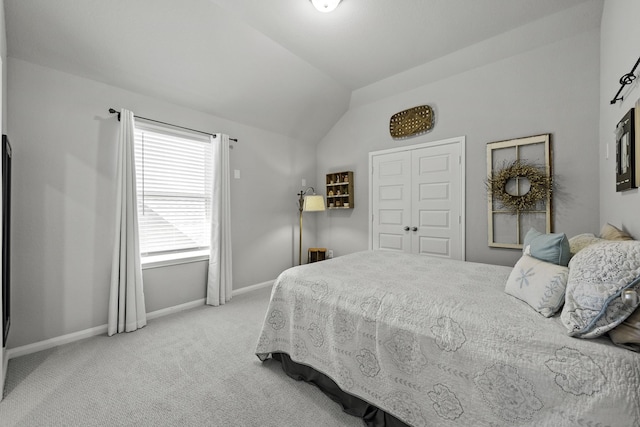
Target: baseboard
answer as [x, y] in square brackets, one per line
[99, 330]
[175, 309]
[5, 365]
[252, 288]
[54, 342]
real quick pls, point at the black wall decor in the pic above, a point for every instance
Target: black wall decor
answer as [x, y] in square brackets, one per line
[626, 79]
[625, 153]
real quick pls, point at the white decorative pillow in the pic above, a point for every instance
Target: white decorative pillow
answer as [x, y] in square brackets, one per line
[538, 283]
[597, 276]
[581, 241]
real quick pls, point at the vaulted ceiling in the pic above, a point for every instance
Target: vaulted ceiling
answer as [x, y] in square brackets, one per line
[279, 65]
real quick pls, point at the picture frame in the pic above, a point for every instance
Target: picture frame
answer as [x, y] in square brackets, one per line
[637, 141]
[6, 234]
[626, 152]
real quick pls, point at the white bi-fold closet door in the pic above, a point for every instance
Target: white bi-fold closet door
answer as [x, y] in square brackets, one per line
[417, 200]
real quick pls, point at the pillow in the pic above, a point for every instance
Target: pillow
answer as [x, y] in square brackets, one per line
[540, 284]
[553, 248]
[611, 232]
[627, 334]
[597, 276]
[581, 241]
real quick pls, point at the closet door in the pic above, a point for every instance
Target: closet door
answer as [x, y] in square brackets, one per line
[417, 199]
[391, 201]
[436, 208]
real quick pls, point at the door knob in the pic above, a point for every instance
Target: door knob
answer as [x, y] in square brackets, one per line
[414, 228]
[406, 228]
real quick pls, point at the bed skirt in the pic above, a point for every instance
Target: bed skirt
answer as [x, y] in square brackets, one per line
[352, 405]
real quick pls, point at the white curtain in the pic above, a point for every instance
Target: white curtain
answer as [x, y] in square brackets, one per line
[219, 280]
[126, 300]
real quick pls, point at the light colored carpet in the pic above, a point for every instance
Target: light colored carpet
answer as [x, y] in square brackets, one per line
[195, 368]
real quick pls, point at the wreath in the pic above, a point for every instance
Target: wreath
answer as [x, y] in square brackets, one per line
[541, 185]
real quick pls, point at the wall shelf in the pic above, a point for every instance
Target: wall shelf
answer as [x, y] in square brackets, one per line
[339, 187]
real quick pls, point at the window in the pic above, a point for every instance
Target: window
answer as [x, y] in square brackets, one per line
[174, 174]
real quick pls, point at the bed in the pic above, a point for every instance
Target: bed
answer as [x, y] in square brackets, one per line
[425, 341]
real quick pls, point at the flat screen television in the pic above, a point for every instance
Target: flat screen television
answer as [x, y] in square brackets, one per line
[6, 238]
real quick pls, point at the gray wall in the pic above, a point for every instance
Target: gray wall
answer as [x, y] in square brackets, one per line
[63, 208]
[619, 52]
[518, 84]
[551, 88]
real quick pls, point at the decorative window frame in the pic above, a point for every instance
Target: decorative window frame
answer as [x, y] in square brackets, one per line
[507, 227]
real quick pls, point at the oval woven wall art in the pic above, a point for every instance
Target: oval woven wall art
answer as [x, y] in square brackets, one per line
[411, 122]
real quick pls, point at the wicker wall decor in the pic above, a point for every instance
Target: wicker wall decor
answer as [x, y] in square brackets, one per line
[541, 185]
[411, 122]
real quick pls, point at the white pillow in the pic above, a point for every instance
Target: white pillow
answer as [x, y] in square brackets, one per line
[538, 283]
[627, 334]
[581, 241]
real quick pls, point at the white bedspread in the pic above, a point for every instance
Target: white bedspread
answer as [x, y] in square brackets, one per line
[437, 342]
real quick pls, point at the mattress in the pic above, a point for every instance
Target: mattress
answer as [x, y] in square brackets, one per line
[435, 341]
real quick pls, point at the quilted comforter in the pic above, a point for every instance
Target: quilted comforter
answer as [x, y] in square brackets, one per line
[437, 342]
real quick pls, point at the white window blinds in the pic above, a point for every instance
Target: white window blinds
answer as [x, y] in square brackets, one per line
[174, 174]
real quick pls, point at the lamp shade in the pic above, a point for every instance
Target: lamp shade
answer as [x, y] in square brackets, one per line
[325, 5]
[313, 202]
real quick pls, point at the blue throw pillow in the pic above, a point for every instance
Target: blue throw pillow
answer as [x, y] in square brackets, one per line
[553, 247]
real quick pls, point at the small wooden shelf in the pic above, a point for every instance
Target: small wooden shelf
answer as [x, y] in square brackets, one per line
[316, 254]
[339, 187]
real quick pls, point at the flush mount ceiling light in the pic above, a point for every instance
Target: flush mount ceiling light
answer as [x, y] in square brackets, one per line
[325, 5]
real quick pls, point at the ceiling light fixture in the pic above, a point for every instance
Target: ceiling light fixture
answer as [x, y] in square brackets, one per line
[325, 5]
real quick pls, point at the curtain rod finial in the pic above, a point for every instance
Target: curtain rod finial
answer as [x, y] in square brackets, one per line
[112, 111]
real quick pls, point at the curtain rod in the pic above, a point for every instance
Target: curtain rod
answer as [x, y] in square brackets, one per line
[625, 80]
[112, 111]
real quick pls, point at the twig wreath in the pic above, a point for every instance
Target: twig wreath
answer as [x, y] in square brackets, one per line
[541, 185]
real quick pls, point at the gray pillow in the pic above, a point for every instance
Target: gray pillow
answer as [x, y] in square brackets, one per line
[553, 247]
[597, 276]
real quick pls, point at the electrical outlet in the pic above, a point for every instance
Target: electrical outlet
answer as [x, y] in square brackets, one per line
[330, 253]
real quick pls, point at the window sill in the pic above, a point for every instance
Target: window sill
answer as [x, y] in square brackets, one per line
[174, 259]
